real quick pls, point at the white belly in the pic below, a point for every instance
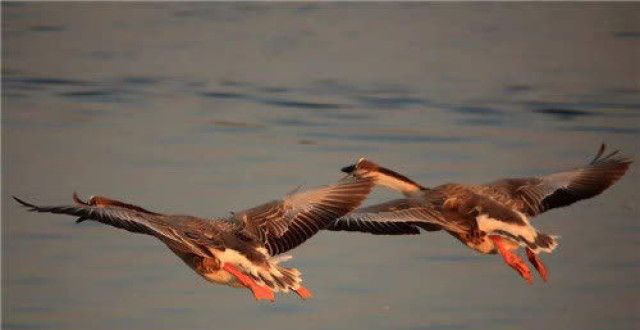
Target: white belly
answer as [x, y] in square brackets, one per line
[489, 225]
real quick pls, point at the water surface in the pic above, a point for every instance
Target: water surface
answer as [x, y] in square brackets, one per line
[208, 108]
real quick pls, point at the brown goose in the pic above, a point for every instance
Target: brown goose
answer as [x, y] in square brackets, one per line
[240, 250]
[488, 218]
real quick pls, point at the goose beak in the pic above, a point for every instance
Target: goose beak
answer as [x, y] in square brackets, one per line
[348, 169]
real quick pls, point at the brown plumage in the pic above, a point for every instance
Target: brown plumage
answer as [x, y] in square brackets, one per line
[488, 218]
[239, 250]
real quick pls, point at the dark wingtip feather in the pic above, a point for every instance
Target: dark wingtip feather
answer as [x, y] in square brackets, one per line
[602, 173]
[610, 156]
[601, 150]
[25, 204]
[77, 199]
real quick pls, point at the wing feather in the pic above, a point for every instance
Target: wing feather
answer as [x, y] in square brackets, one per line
[397, 217]
[536, 195]
[284, 224]
[136, 220]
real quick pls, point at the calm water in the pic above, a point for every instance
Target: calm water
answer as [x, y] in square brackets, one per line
[208, 108]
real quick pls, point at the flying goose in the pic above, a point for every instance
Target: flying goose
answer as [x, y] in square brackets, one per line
[488, 218]
[240, 250]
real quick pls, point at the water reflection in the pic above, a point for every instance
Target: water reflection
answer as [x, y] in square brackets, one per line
[563, 114]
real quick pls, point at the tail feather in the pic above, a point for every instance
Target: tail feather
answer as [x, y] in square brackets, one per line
[266, 273]
[291, 276]
[276, 277]
[545, 243]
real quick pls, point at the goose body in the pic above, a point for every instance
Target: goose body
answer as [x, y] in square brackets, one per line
[240, 250]
[488, 218]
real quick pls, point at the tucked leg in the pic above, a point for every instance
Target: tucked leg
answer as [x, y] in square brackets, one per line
[537, 263]
[475, 234]
[259, 292]
[512, 259]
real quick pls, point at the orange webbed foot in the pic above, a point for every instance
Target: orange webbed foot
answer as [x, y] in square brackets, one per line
[304, 293]
[520, 266]
[537, 263]
[512, 259]
[260, 292]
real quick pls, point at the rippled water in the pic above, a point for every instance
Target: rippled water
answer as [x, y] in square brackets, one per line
[208, 108]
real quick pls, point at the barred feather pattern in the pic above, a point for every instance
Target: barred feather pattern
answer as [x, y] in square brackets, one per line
[285, 224]
[536, 195]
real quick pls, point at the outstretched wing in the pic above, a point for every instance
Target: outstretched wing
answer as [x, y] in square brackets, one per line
[397, 217]
[284, 224]
[134, 219]
[535, 195]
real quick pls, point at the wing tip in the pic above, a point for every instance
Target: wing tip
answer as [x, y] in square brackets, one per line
[614, 156]
[77, 199]
[24, 203]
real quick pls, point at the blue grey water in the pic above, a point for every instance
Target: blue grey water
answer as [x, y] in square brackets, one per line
[205, 108]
